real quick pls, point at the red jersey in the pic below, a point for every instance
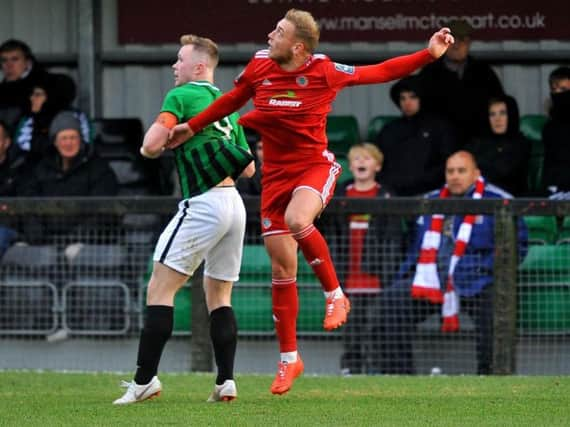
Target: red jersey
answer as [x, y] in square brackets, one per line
[356, 280]
[291, 106]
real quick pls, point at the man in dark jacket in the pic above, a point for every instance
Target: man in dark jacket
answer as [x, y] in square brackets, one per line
[21, 72]
[11, 172]
[11, 164]
[69, 169]
[416, 145]
[458, 86]
[400, 309]
[556, 134]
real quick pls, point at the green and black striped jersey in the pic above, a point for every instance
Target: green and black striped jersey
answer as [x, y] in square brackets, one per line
[218, 151]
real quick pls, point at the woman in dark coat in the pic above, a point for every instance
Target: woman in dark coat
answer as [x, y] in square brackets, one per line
[503, 153]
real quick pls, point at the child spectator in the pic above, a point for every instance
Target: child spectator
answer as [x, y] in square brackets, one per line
[364, 248]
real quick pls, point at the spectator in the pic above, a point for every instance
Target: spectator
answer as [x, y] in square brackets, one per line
[556, 133]
[50, 95]
[364, 249]
[469, 273]
[459, 86]
[68, 169]
[11, 164]
[503, 153]
[20, 72]
[252, 186]
[430, 138]
[11, 167]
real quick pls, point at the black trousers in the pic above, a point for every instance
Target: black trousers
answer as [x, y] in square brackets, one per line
[399, 314]
[358, 338]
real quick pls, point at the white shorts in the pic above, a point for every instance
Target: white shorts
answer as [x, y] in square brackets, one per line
[210, 226]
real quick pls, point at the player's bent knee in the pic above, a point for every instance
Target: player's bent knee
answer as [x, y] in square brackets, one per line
[297, 222]
[283, 270]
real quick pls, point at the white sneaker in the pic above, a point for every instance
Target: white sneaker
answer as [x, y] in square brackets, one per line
[224, 393]
[138, 393]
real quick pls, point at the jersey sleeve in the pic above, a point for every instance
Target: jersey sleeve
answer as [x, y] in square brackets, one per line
[241, 139]
[228, 103]
[173, 104]
[340, 75]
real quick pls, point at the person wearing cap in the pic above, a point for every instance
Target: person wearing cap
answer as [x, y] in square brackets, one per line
[68, 169]
[459, 86]
[415, 145]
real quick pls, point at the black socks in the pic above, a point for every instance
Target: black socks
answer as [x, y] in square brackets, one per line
[158, 329]
[156, 332]
[223, 332]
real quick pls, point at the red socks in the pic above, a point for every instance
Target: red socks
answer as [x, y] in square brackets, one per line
[285, 311]
[316, 252]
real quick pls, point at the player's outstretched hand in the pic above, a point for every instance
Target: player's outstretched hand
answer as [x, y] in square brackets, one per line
[440, 41]
[178, 135]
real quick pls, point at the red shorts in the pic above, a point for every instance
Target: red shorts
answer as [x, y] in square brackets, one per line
[279, 184]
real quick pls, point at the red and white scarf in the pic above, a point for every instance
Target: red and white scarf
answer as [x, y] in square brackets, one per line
[426, 280]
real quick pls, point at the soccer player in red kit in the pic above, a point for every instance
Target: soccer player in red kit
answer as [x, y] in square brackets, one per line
[292, 90]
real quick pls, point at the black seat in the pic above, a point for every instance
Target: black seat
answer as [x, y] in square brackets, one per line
[97, 300]
[118, 139]
[28, 297]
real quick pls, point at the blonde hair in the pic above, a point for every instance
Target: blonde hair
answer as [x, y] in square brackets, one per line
[369, 149]
[202, 45]
[306, 28]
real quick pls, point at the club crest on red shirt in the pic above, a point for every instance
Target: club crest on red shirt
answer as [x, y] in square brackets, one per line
[302, 81]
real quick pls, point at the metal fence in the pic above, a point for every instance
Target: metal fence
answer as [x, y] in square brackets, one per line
[72, 291]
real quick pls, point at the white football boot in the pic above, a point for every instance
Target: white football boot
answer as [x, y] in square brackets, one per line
[224, 393]
[138, 393]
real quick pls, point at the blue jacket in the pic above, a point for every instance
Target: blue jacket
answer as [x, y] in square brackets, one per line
[474, 270]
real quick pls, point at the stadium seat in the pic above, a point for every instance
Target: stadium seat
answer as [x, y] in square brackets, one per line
[118, 138]
[531, 126]
[255, 264]
[28, 295]
[376, 124]
[546, 263]
[96, 300]
[342, 132]
[544, 308]
[118, 141]
[252, 306]
[544, 290]
[93, 306]
[346, 175]
[28, 307]
[542, 230]
[564, 235]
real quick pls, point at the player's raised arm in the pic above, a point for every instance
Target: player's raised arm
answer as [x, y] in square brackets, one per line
[400, 66]
[220, 108]
[439, 42]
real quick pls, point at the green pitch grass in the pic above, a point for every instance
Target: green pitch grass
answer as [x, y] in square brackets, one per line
[59, 399]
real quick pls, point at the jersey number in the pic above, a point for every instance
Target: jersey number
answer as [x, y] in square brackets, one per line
[224, 125]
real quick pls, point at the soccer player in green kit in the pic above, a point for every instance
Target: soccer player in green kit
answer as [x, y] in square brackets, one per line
[209, 224]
